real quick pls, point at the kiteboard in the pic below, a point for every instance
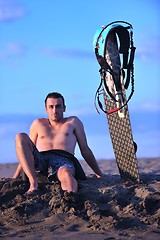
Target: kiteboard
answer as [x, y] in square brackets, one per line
[114, 50]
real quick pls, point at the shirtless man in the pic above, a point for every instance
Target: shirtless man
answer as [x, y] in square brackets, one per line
[34, 152]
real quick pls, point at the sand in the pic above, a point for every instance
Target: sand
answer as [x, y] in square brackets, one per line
[106, 208]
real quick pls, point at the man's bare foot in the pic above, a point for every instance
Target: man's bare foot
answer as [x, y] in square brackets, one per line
[70, 196]
[33, 192]
[33, 188]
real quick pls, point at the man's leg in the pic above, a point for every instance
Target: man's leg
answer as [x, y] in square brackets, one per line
[24, 150]
[68, 182]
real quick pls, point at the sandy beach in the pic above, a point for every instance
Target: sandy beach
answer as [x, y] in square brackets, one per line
[107, 208]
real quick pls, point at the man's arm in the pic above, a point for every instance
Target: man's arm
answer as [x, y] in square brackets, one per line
[90, 159]
[86, 152]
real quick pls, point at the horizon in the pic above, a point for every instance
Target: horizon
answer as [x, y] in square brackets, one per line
[141, 129]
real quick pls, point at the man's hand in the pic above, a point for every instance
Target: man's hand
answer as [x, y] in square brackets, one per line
[100, 176]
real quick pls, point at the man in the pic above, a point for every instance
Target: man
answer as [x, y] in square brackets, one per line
[51, 146]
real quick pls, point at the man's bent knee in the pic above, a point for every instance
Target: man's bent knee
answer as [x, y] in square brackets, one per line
[64, 172]
[22, 138]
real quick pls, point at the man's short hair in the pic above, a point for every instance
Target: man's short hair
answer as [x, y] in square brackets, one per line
[54, 95]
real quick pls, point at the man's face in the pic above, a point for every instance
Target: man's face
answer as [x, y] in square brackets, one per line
[55, 109]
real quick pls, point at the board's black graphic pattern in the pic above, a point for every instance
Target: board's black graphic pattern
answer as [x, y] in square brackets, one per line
[120, 127]
[122, 141]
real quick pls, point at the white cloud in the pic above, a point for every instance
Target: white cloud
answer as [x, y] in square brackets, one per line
[11, 129]
[10, 10]
[148, 48]
[12, 49]
[146, 106]
[151, 107]
[69, 53]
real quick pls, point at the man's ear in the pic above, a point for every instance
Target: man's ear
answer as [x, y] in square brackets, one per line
[64, 108]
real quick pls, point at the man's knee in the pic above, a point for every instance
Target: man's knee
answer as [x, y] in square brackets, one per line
[64, 172]
[22, 138]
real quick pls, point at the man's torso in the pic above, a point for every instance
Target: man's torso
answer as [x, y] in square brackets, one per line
[62, 136]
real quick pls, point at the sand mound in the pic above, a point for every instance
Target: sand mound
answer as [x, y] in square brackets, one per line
[105, 206]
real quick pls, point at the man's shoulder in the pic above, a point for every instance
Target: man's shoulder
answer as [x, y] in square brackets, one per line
[39, 121]
[72, 118]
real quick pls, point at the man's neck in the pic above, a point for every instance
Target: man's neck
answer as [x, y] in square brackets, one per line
[56, 123]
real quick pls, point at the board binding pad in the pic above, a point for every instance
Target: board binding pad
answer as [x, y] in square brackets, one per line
[114, 92]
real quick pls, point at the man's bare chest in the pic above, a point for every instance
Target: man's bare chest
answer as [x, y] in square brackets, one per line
[58, 132]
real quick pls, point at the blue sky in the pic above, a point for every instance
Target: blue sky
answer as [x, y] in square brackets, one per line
[46, 45]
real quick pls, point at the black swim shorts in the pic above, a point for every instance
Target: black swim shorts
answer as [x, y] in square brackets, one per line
[48, 162]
